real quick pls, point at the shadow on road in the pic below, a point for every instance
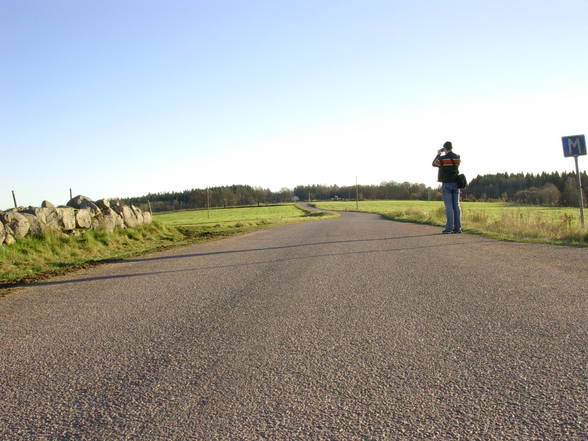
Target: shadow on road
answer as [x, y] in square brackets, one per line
[262, 262]
[251, 250]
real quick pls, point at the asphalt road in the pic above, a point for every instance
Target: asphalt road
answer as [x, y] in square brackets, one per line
[357, 328]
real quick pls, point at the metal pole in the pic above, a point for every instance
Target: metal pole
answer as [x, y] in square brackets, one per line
[580, 194]
[70, 194]
[149, 204]
[208, 201]
[356, 194]
[14, 199]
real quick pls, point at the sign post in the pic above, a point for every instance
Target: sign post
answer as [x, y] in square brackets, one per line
[576, 146]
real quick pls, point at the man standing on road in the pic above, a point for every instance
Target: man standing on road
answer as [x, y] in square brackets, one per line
[448, 163]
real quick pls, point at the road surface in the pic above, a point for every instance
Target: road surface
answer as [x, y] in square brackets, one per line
[357, 328]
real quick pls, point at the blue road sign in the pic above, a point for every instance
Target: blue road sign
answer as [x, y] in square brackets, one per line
[574, 145]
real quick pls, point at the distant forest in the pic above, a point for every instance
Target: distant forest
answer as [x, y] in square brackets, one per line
[551, 189]
[554, 189]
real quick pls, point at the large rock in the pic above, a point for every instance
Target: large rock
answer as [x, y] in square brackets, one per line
[111, 220]
[147, 218]
[120, 223]
[47, 204]
[9, 238]
[57, 219]
[2, 233]
[84, 218]
[67, 218]
[82, 202]
[129, 217]
[103, 204]
[17, 223]
[108, 220]
[79, 201]
[103, 223]
[127, 214]
[96, 222]
[36, 227]
[138, 214]
[39, 213]
[52, 218]
[90, 205]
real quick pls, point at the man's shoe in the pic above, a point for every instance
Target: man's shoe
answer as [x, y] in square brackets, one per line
[456, 231]
[446, 232]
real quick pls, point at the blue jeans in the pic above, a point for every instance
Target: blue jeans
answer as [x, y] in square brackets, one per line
[452, 208]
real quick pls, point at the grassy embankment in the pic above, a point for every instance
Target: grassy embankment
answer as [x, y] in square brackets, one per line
[33, 258]
[499, 220]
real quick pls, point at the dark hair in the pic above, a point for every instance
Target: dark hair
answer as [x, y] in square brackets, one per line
[448, 145]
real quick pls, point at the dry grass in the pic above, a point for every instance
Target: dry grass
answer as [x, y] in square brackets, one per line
[55, 251]
[497, 220]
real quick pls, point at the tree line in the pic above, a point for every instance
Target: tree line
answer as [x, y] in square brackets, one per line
[386, 190]
[552, 189]
[240, 195]
[224, 196]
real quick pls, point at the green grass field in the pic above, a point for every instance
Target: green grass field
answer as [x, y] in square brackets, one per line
[223, 216]
[500, 220]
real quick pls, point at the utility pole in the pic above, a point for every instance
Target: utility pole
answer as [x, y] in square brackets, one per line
[70, 194]
[356, 195]
[208, 201]
[14, 199]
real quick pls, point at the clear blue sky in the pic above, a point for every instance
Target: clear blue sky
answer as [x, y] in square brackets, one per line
[125, 97]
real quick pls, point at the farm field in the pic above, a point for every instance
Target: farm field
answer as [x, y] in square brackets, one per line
[222, 216]
[500, 220]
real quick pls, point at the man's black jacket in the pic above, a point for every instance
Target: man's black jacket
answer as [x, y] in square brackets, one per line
[448, 167]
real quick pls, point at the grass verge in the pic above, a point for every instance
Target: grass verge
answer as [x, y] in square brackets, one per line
[498, 220]
[36, 258]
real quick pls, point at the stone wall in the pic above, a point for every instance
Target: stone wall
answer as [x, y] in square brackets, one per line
[81, 213]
